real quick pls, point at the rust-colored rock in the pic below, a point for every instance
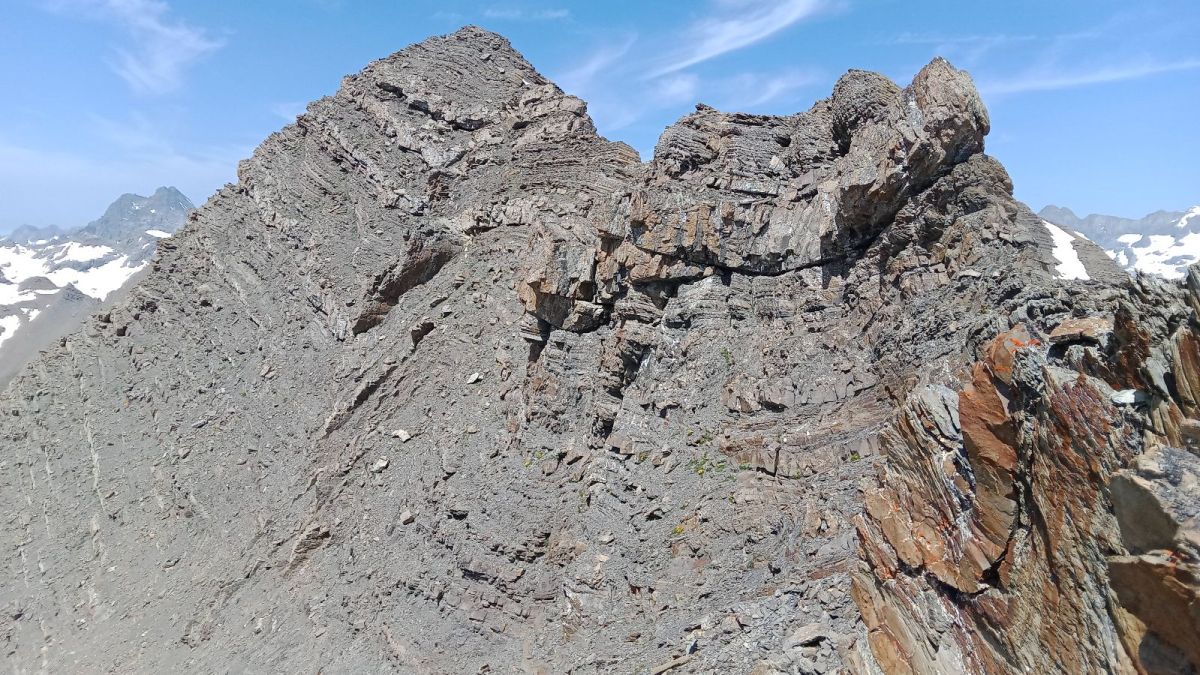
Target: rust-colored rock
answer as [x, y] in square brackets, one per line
[1089, 329]
[1033, 527]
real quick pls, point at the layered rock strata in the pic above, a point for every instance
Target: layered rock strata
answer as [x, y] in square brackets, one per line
[449, 383]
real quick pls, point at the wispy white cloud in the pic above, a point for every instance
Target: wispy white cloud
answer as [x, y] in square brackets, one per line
[578, 79]
[512, 14]
[1043, 79]
[910, 38]
[1131, 44]
[160, 48]
[972, 50]
[964, 50]
[626, 79]
[740, 24]
[676, 88]
[759, 90]
[288, 111]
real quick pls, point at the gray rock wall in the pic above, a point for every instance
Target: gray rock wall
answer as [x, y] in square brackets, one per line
[448, 383]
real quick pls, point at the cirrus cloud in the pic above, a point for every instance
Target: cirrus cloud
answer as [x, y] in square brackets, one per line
[159, 48]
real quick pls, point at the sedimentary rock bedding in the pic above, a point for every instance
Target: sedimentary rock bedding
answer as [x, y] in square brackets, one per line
[447, 382]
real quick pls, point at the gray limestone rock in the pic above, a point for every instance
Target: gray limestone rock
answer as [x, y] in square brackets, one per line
[644, 406]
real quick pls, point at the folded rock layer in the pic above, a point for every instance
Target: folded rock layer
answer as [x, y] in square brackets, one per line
[447, 382]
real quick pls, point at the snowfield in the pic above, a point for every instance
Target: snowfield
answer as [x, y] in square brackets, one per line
[76, 252]
[1069, 264]
[94, 270]
[1163, 243]
[8, 326]
[1164, 255]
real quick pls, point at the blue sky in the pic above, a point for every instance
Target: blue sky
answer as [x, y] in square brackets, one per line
[1093, 102]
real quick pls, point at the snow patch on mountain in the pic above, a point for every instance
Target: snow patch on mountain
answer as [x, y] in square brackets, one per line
[1163, 243]
[63, 276]
[8, 326]
[1069, 264]
[1165, 255]
[77, 252]
[1187, 217]
[104, 272]
[98, 282]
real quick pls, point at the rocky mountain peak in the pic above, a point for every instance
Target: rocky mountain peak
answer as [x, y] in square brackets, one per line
[481, 76]
[125, 222]
[51, 278]
[805, 186]
[448, 382]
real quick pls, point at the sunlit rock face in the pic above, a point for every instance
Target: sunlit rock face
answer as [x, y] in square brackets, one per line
[449, 383]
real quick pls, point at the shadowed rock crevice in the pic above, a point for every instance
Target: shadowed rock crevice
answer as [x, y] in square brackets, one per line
[422, 264]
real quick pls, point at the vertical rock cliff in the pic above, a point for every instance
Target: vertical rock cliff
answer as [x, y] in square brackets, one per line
[449, 383]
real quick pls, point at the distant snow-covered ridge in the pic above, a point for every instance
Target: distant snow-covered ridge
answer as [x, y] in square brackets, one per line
[1163, 243]
[51, 279]
[96, 270]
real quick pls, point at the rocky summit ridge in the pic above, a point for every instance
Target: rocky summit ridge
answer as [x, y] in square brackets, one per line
[447, 382]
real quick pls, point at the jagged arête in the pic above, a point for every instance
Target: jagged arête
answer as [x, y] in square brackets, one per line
[447, 382]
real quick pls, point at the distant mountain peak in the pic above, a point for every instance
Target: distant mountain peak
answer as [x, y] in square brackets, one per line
[1055, 214]
[1163, 243]
[126, 221]
[51, 278]
[30, 233]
